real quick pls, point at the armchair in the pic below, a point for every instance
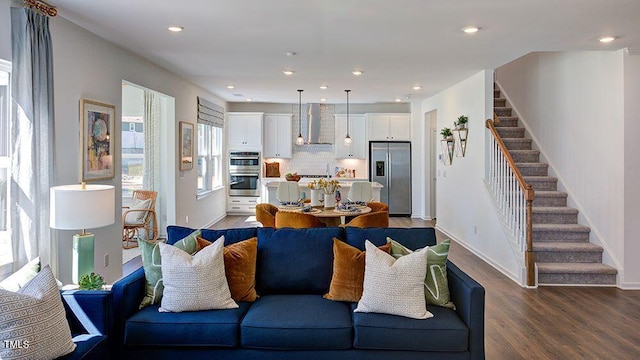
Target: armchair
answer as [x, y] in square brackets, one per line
[140, 216]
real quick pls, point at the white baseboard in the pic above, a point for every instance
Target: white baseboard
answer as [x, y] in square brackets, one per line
[482, 256]
[630, 286]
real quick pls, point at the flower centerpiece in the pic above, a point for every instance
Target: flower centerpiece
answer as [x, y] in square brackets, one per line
[329, 186]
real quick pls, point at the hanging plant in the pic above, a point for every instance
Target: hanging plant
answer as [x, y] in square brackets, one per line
[446, 133]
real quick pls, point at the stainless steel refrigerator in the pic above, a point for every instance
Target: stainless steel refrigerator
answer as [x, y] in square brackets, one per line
[390, 165]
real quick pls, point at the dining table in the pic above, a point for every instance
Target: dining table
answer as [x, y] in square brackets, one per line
[329, 216]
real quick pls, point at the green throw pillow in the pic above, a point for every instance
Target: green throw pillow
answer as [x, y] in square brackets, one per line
[436, 286]
[152, 264]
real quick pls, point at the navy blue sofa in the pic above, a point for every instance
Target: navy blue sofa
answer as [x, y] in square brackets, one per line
[291, 319]
[89, 316]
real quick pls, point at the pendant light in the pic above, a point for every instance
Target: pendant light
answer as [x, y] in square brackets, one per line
[300, 139]
[347, 139]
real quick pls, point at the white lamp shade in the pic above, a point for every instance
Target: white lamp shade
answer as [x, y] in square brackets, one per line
[73, 207]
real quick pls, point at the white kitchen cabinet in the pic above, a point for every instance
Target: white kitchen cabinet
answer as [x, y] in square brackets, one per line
[389, 127]
[244, 131]
[242, 204]
[357, 131]
[277, 136]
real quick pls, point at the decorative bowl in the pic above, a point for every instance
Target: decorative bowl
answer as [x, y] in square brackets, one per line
[293, 178]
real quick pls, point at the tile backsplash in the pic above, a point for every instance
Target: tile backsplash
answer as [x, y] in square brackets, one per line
[314, 159]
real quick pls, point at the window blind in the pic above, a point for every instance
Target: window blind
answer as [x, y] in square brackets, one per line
[210, 113]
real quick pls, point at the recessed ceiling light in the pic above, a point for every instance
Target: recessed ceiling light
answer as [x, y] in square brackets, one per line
[230, 86]
[417, 87]
[357, 72]
[175, 28]
[606, 39]
[249, 99]
[323, 100]
[288, 72]
[398, 99]
[324, 87]
[470, 29]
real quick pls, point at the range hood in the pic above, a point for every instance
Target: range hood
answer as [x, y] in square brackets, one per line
[314, 127]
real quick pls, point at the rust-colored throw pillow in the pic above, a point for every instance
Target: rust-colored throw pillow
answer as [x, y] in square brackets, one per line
[348, 272]
[239, 267]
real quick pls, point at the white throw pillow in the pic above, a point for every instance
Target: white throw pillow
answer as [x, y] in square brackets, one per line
[197, 282]
[393, 286]
[33, 324]
[137, 217]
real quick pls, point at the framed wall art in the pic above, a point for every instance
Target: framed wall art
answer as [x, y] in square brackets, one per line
[186, 145]
[97, 140]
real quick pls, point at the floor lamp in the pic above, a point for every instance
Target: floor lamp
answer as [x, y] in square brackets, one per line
[83, 207]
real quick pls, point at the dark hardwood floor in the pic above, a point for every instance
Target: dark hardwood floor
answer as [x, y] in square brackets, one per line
[544, 323]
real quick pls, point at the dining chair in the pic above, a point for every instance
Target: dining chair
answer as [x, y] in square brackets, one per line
[139, 219]
[378, 206]
[266, 214]
[288, 219]
[378, 219]
[288, 191]
[360, 191]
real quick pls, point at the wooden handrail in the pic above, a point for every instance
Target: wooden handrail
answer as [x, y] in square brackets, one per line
[529, 195]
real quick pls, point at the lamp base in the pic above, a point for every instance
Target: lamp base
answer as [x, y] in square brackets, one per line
[82, 255]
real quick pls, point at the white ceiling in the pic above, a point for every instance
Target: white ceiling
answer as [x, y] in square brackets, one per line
[397, 43]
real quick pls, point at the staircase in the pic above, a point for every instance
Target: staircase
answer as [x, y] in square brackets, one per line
[562, 249]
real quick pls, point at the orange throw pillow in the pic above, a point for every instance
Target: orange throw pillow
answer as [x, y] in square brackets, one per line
[348, 272]
[239, 267]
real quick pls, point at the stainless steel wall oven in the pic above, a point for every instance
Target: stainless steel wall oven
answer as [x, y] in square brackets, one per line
[244, 173]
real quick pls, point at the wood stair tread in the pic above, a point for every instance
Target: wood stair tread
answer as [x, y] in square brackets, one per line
[575, 268]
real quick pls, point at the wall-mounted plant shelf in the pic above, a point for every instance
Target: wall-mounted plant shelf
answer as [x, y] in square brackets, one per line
[448, 146]
[461, 145]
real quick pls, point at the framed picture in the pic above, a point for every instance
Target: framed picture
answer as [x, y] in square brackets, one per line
[186, 145]
[97, 140]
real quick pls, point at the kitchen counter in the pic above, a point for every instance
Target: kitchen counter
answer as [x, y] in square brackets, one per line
[270, 188]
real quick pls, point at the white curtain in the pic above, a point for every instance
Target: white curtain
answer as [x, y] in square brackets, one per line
[151, 124]
[32, 137]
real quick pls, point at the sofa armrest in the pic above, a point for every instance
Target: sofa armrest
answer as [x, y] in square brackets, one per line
[88, 312]
[468, 296]
[127, 295]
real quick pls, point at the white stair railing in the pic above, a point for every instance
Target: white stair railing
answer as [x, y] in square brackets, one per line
[513, 197]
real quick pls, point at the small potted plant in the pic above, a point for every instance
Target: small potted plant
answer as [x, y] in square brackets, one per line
[91, 281]
[446, 134]
[462, 122]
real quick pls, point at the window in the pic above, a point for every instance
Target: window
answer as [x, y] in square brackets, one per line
[209, 158]
[6, 257]
[132, 155]
[210, 123]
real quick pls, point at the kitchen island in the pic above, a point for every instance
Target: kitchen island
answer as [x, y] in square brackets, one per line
[270, 188]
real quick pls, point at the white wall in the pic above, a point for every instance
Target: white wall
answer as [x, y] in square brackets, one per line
[464, 209]
[87, 66]
[631, 278]
[572, 106]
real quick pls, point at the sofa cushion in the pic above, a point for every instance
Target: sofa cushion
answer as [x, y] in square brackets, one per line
[445, 331]
[231, 236]
[239, 267]
[394, 286]
[412, 238]
[348, 272]
[152, 264]
[291, 322]
[33, 319]
[191, 328]
[194, 283]
[295, 261]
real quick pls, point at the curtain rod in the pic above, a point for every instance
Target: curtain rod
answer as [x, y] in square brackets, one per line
[42, 7]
